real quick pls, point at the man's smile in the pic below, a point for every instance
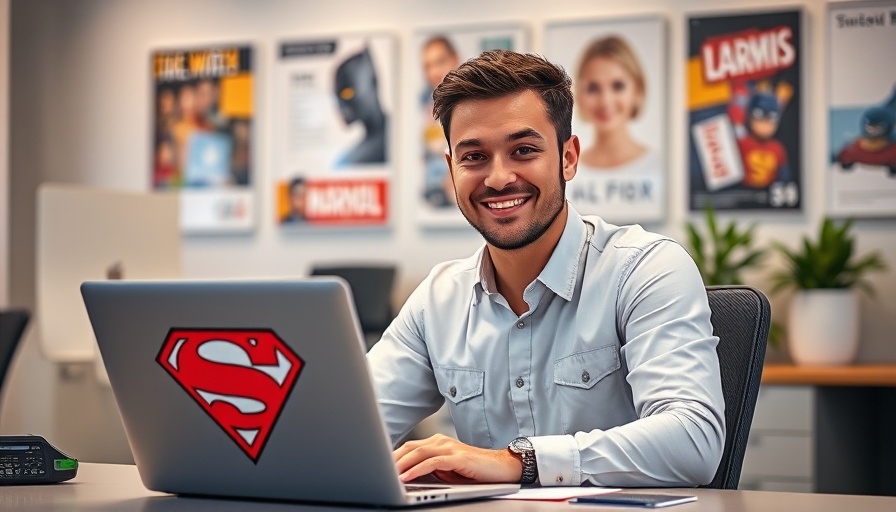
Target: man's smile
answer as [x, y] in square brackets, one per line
[504, 204]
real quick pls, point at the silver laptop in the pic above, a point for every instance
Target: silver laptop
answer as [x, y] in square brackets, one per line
[253, 389]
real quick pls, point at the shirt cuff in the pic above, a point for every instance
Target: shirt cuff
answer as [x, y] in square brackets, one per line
[558, 460]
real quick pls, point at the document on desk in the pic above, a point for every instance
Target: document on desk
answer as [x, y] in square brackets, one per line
[555, 493]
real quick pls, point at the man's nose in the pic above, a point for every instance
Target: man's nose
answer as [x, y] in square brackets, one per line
[500, 174]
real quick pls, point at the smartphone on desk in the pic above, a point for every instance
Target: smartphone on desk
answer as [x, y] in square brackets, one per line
[634, 500]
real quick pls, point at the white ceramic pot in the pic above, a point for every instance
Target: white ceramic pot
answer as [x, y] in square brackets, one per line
[823, 327]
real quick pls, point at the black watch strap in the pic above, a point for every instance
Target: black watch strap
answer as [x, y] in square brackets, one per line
[522, 448]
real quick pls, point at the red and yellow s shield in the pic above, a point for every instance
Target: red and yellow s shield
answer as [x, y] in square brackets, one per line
[241, 378]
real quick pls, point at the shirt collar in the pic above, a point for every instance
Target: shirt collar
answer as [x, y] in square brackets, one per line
[561, 271]
[562, 268]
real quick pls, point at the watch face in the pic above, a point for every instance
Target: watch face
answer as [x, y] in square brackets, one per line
[521, 444]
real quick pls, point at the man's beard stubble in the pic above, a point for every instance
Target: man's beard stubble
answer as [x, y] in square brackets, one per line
[533, 232]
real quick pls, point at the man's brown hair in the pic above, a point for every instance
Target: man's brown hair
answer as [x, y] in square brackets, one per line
[498, 73]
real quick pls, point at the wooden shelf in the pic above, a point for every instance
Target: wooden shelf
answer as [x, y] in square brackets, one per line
[854, 375]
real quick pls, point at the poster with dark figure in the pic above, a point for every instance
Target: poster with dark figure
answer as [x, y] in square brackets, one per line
[358, 96]
[744, 110]
[203, 114]
[333, 162]
[862, 109]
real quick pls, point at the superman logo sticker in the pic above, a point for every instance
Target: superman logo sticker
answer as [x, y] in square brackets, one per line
[240, 378]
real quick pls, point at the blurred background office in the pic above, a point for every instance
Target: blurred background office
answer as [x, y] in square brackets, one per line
[76, 107]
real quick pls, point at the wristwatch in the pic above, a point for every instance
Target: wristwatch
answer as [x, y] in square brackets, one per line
[523, 449]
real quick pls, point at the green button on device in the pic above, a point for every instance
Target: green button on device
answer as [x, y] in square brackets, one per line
[65, 464]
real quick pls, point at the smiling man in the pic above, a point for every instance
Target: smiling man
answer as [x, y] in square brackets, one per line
[568, 350]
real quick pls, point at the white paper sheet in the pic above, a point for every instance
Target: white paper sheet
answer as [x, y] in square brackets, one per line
[556, 493]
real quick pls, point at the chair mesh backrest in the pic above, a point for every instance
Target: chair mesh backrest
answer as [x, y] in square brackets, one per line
[12, 326]
[741, 317]
[371, 290]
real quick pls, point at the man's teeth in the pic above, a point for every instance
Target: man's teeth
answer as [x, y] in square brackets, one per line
[506, 204]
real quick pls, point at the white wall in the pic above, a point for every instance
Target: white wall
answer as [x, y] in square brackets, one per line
[82, 112]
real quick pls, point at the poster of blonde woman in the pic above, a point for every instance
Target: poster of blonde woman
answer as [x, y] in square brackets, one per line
[438, 52]
[617, 69]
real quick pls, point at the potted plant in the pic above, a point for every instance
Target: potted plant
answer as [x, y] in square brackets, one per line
[720, 255]
[824, 312]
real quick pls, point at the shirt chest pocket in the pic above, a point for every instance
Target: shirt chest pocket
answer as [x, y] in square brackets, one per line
[575, 383]
[463, 389]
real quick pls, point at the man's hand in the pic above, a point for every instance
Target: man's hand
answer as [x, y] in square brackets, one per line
[455, 462]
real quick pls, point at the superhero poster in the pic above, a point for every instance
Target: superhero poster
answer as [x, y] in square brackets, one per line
[861, 162]
[333, 119]
[618, 70]
[203, 110]
[436, 52]
[744, 111]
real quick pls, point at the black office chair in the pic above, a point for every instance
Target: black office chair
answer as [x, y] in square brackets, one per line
[12, 326]
[741, 317]
[372, 292]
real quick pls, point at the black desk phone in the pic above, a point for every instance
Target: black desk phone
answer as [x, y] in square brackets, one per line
[30, 459]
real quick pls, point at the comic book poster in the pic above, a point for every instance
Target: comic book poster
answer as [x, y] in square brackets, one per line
[744, 111]
[862, 109]
[436, 52]
[333, 121]
[203, 110]
[618, 71]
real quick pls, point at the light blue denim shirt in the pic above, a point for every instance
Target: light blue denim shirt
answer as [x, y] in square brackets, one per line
[612, 373]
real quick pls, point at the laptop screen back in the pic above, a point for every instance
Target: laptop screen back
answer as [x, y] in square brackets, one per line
[322, 426]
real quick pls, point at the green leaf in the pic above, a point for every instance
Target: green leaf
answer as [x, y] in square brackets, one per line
[829, 262]
[722, 253]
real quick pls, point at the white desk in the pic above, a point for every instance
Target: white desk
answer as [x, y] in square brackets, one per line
[100, 487]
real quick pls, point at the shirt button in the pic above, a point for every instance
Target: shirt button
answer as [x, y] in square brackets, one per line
[520, 324]
[559, 479]
[452, 391]
[585, 376]
[519, 382]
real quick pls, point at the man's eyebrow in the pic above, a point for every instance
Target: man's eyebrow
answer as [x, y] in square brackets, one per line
[524, 133]
[467, 143]
[521, 134]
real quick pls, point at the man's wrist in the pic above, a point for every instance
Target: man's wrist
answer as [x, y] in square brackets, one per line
[522, 449]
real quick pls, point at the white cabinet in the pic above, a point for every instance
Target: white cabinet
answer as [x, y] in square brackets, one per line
[780, 453]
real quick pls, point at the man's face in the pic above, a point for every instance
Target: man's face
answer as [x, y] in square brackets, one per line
[437, 62]
[508, 174]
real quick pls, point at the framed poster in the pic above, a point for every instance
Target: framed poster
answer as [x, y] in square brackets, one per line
[203, 110]
[862, 109]
[618, 70]
[744, 77]
[436, 52]
[333, 127]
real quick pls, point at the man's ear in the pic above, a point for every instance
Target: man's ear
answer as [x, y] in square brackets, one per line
[570, 154]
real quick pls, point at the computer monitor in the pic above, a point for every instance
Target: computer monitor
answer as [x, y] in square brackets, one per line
[86, 233]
